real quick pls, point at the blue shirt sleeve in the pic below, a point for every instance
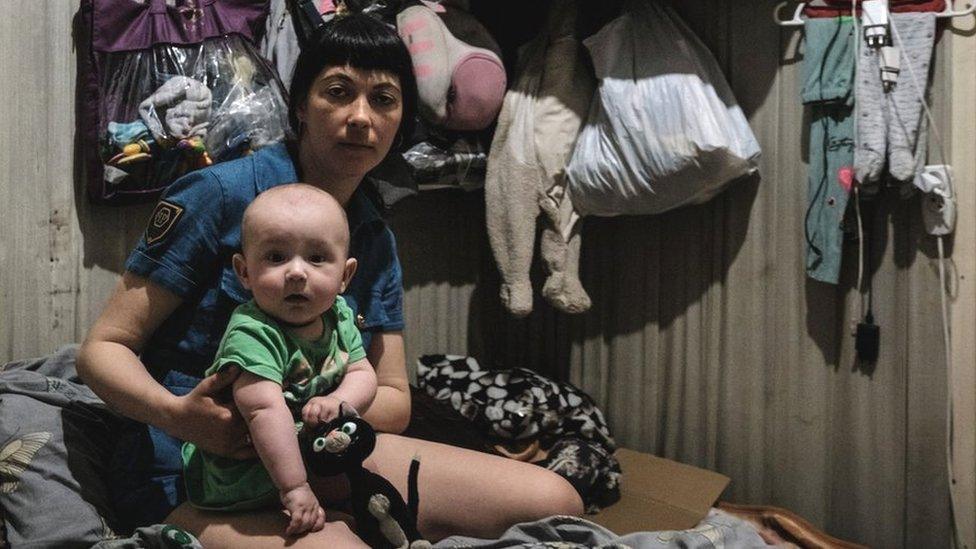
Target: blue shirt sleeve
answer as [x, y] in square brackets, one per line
[180, 248]
[376, 292]
[392, 293]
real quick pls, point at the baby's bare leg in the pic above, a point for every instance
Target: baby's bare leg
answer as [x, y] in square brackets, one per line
[471, 493]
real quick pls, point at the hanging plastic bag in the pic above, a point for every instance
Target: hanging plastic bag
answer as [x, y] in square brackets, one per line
[169, 86]
[664, 129]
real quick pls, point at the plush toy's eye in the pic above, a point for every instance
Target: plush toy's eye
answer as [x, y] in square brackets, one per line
[177, 536]
[349, 428]
[318, 444]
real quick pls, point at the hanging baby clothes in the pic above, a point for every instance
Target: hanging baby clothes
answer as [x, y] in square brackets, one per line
[908, 125]
[891, 125]
[537, 128]
[279, 44]
[828, 75]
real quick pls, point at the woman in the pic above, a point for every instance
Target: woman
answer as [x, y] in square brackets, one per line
[353, 95]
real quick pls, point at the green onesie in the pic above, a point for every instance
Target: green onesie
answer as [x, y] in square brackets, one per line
[305, 369]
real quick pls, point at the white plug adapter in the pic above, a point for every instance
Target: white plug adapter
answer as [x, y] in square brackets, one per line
[874, 21]
[890, 62]
[939, 202]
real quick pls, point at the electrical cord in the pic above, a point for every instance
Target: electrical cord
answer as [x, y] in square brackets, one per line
[857, 194]
[946, 335]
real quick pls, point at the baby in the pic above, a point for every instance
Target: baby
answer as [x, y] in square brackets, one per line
[299, 350]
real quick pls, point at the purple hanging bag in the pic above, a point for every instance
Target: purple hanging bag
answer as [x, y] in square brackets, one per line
[169, 86]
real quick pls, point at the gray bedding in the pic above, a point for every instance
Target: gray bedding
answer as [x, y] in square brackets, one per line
[717, 530]
[54, 443]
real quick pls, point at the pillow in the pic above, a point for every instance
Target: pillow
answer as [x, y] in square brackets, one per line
[514, 404]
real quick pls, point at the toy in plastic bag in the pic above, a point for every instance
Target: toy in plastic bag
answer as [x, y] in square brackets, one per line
[439, 158]
[169, 86]
[664, 129]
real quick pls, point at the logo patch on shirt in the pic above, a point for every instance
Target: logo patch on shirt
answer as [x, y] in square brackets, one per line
[162, 220]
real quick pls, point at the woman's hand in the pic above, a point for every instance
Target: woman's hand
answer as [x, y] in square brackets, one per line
[207, 417]
[306, 513]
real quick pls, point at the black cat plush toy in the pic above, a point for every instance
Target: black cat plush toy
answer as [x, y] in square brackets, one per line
[383, 520]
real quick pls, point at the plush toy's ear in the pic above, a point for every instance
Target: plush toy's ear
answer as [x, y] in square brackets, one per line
[346, 410]
[307, 20]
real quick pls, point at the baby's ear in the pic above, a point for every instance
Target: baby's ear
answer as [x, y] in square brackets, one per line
[240, 268]
[348, 272]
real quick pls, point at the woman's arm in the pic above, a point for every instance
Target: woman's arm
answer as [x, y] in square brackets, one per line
[390, 411]
[108, 362]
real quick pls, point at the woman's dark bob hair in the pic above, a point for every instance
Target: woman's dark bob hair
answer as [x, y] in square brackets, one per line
[361, 41]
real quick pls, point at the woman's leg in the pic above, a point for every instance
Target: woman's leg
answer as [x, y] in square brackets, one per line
[259, 529]
[471, 493]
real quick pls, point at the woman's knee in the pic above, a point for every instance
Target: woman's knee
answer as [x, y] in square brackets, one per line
[556, 496]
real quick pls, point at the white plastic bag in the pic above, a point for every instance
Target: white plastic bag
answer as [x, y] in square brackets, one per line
[664, 129]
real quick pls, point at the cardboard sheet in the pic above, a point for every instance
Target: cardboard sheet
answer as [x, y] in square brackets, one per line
[660, 494]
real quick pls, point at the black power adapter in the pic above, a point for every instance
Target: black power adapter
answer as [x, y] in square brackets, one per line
[867, 340]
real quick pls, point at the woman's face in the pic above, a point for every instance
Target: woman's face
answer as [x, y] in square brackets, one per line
[351, 117]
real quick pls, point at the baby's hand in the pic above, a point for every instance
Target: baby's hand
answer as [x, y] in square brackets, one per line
[306, 513]
[322, 409]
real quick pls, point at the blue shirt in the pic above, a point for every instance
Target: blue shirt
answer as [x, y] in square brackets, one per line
[195, 231]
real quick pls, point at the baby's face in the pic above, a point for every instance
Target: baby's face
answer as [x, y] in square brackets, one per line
[296, 259]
